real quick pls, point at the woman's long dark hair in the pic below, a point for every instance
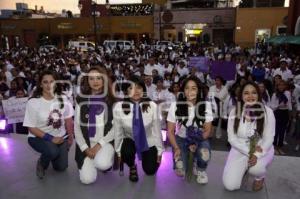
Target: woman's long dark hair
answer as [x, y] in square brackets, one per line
[182, 105]
[258, 113]
[87, 90]
[38, 92]
[280, 94]
[145, 99]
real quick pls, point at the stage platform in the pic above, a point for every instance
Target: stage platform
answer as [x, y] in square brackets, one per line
[18, 179]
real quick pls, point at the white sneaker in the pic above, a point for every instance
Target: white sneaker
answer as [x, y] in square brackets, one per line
[285, 142]
[195, 169]
[297, 147]
[179, 168]
[180, 172]
[202, 177]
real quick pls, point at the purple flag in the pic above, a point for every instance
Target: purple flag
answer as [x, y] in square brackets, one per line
[202, 63]
[225, 69]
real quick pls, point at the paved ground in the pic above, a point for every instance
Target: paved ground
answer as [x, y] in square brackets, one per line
[18, 180]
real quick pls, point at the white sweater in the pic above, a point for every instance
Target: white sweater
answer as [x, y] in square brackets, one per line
[240, 140]
[123, 126]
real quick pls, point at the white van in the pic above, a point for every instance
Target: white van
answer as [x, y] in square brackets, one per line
[122, 44]
[162, 45]
[82, 45]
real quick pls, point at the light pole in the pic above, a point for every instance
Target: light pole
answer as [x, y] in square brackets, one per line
[160, 31]
[94, 6]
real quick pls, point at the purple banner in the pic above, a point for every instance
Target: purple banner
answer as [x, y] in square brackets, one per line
[225, 69]
[202, 63]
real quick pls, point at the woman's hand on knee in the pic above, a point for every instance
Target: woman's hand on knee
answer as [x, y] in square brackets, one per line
[57, 140]
[90, 153]
[252, 161]
[96, 148]
[177, 153]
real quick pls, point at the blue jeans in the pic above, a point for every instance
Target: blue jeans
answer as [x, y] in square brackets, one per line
[201, 156]
[50, 152]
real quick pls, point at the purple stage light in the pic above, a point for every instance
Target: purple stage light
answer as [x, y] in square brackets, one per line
[2, 124]
[3, 144]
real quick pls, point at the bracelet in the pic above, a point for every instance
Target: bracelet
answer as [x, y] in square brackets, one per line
[48, 137]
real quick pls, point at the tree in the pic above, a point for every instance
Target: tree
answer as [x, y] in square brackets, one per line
[69, 14]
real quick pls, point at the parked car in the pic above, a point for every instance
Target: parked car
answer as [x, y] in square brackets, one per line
[122, 44]
[162, 45]
[82, 45]
[47, 48]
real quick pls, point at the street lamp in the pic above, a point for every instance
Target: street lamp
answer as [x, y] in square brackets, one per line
[80, 7]
[94, 6]
[160, 32]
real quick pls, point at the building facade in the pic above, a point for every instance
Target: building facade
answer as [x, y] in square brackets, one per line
[60, 30]
[294, 18]
[256, 24]
[195, 25]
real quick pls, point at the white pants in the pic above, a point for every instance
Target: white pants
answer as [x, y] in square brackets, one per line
[103, 160]
[236, 167]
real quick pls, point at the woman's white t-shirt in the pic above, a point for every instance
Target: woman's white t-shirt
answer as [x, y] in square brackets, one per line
[47, 115]
[181, 129]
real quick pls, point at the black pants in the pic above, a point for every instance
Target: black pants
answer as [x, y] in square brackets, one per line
[282, 118]
[217, 114]
[149, 158]
[50, 152]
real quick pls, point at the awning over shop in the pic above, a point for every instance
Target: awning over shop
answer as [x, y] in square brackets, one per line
[277, 40]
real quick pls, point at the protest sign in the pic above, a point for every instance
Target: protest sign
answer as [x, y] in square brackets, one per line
[202, 63]
[14, 109]
[225, 69]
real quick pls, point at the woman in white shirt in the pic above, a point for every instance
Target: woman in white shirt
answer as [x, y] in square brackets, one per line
[250, 116]
[190, 110]
[93, 125]
[229, 104]
[296, 95]
[137, 130]
[281, 104]
[48, 117]
[264, 94]
[218, 92]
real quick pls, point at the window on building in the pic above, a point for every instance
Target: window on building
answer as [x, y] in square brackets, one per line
[261, 35]
[281, 30]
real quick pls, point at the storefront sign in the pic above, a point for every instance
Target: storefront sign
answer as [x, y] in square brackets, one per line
[65, 26]
[194, 26]
[8, 27]
[131, 25]
[193, 32]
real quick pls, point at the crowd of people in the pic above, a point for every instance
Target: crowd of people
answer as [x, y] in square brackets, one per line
[135, 93]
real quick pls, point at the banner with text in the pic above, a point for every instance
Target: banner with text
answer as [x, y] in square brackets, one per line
[202, 63]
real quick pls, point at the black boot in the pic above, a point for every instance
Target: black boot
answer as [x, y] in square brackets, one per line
[133, 174]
